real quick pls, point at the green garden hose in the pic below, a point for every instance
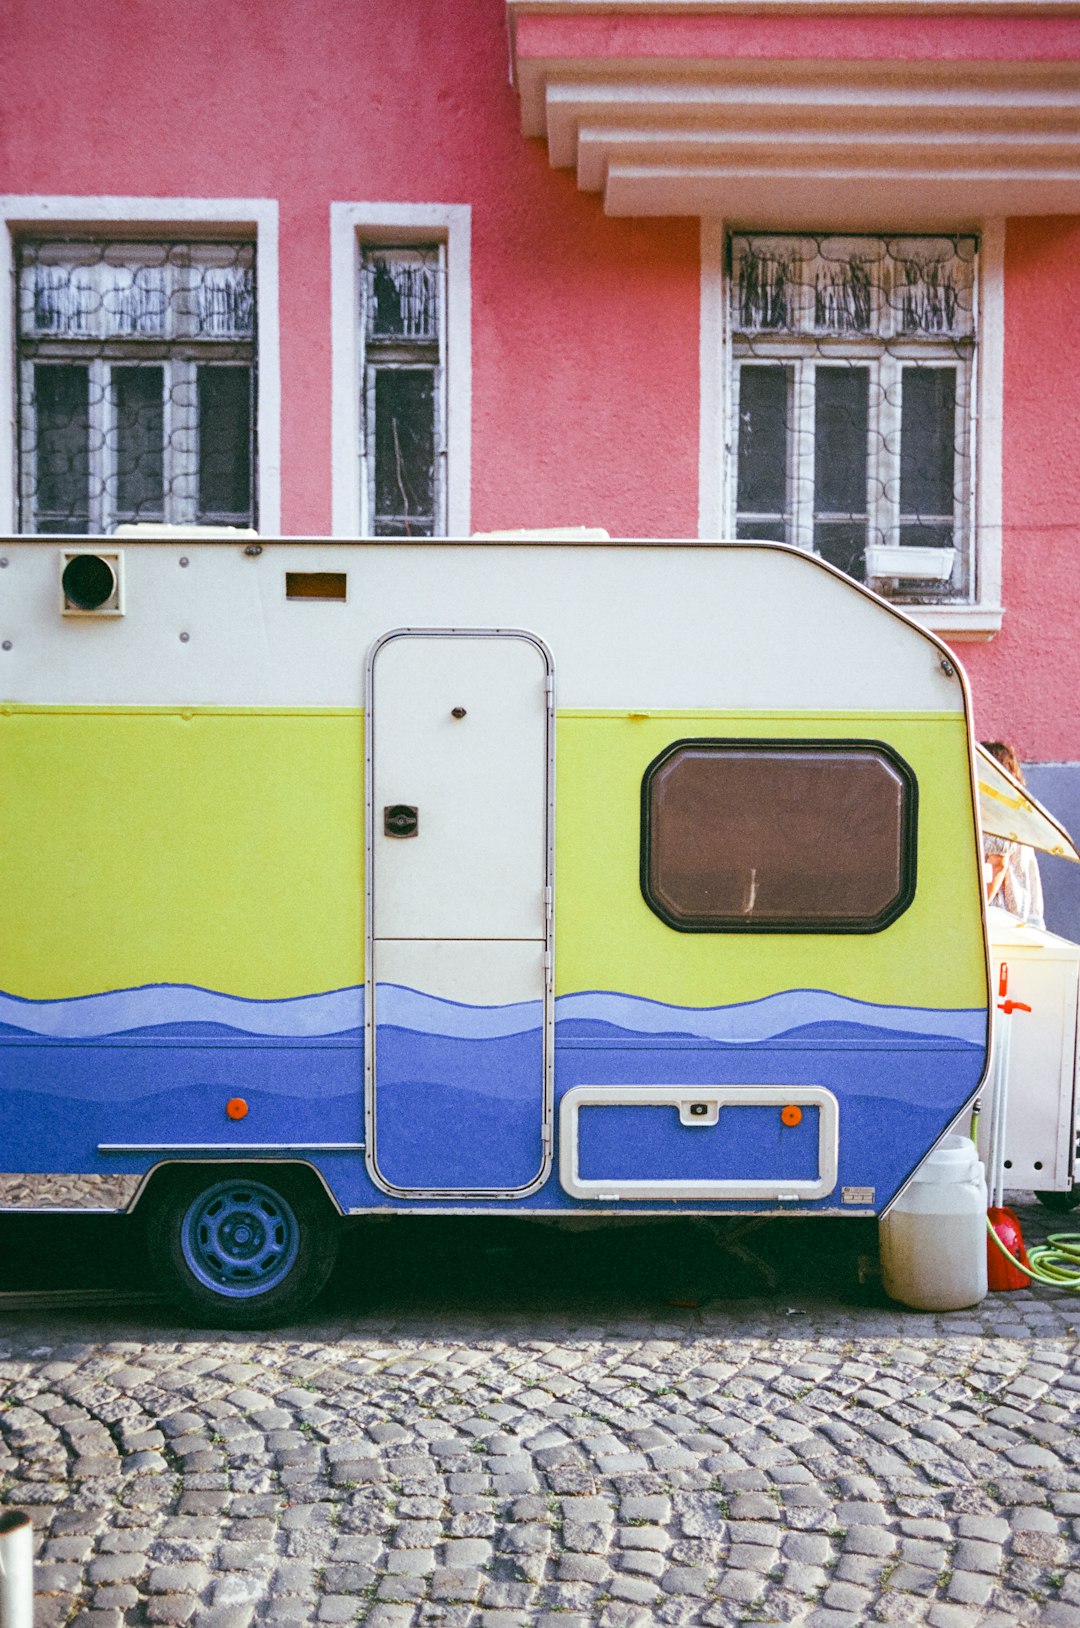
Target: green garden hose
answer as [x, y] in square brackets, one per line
[1055, 1263]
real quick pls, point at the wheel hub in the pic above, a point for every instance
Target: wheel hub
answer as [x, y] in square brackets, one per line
[242, 1235]
[240, 1238]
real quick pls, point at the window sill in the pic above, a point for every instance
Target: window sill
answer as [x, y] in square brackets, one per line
[960, 624]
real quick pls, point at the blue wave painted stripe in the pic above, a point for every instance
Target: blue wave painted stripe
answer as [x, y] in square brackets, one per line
[341, 1011]
[771, 1017]
[120, 1011]
[404, 1008]
[746, 1022]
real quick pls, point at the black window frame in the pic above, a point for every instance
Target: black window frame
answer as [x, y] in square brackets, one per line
[861, 927]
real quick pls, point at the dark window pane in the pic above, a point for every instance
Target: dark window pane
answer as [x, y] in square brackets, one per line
[404, 295]
[761, 531]
[927, 452]
[843, 294]
[404, 452]
[841, 424]
[927, 533]
[404, 528]
[140, 429]
[843, 544]
[768, 282]
[841, 428]
[934, 287]
[62, 410]
[225, 299]
[763, 431]
[778, 836]
[224, 400]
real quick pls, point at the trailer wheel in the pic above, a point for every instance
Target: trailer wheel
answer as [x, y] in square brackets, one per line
[1060, 1203]
[243, 1250]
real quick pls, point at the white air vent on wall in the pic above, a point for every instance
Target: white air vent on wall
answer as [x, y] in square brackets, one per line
[91, 582]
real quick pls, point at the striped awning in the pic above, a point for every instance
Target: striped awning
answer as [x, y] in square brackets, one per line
[1008, 809]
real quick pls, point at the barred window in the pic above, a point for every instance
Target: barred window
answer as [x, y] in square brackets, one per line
[853, 361]
[136, 384]
[404, 390]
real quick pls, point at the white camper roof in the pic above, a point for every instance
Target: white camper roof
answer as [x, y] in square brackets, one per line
[643, 625]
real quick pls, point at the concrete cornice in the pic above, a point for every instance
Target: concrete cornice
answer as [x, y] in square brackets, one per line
[819, 8]
[668, 107]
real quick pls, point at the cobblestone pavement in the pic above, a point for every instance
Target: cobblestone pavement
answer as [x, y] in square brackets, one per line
[760, 1460]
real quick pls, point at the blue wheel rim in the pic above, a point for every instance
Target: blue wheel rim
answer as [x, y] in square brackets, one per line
[240, 1238]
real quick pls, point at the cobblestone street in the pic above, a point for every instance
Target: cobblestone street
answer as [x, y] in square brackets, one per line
[611, 1458]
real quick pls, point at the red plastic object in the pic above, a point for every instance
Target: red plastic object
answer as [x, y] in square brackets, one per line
[1000, 1273]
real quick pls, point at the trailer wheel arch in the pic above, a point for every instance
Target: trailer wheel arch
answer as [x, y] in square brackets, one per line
[168, 1171]
[239, 1244]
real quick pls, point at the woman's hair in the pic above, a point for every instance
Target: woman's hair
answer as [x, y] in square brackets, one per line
[1006, 757]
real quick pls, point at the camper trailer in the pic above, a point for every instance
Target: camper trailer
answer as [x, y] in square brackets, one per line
[554, 877]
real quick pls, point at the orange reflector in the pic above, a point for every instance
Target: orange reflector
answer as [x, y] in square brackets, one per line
[236, 1108]
[791, 1115]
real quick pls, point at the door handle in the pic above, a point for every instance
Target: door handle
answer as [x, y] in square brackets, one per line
[401, 820]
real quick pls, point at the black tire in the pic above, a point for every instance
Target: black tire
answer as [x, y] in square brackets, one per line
[1060, 1203]
[241, 1246]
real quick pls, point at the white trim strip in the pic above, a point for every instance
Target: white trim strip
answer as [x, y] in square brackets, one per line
[230, 1147]
[989, 414]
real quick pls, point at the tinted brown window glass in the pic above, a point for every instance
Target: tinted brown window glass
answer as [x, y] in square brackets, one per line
[776, 836]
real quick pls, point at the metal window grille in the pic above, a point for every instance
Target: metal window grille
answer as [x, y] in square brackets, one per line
[403, 374]
[853, 362]
[136, 384]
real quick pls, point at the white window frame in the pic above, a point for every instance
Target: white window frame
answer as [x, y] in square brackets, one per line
[113, 218]
[980, 617]
[353, 228]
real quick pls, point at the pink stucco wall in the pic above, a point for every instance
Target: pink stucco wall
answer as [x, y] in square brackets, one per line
[902, 37]
[585, 329]
[1026, 682]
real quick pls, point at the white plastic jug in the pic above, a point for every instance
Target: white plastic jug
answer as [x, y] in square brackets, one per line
[933, 1240]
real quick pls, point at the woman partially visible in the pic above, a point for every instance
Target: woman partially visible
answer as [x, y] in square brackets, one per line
[1013, 880]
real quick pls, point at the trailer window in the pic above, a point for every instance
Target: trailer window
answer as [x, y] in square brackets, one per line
[778, 836]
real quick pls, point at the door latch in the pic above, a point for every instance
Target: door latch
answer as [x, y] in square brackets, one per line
[401, 820]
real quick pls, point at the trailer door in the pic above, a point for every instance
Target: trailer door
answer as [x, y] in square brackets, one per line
[459, 990]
